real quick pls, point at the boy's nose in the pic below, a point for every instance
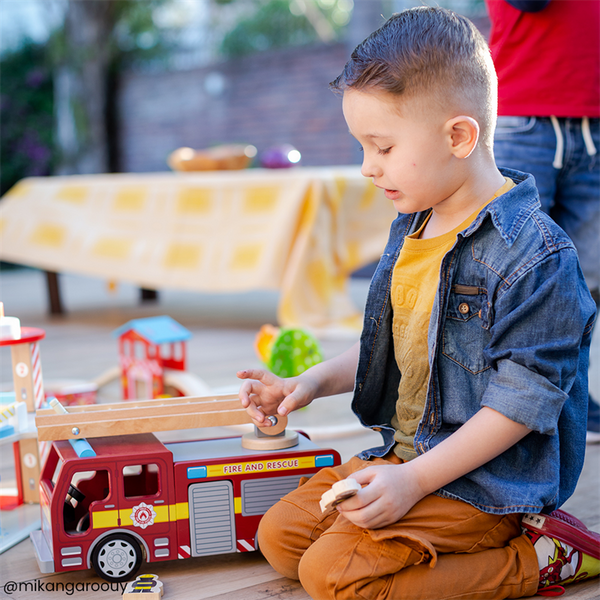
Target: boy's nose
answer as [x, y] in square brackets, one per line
[370, 168]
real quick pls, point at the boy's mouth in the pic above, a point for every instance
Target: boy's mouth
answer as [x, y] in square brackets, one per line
[389, 194]
[392, 194]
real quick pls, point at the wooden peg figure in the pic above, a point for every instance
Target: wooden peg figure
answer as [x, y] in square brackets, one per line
[146, 586]
[340, 491]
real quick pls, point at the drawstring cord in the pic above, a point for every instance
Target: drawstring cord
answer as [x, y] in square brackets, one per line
[560, 141]
[587, 137]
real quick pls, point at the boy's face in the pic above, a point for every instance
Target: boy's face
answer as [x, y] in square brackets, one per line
[406, 146]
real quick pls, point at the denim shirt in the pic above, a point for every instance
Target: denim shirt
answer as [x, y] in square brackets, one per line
[510, 329]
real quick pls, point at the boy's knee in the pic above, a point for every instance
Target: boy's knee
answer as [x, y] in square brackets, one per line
[314, 570]
[275, 544]
[270, 539]
[323, 570]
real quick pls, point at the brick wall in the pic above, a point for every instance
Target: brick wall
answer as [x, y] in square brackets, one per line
[270, 98]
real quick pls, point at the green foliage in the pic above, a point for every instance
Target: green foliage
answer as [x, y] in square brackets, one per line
[134, 39]
[137, 39]
[272, 24]
[26, 115]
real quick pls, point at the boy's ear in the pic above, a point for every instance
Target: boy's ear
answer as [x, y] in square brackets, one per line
[464, 134]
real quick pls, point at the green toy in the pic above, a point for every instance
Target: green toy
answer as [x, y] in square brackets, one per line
[288, 351]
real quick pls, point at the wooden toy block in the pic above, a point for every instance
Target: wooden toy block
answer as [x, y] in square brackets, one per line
[287, 439]
[145, 586]
[16, 413]
[10, 327]
[340, 491]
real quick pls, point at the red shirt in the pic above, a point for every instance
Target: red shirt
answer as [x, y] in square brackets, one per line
[548, 63]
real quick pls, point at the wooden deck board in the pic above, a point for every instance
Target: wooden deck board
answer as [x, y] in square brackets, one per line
[225, 577]
[80, 345]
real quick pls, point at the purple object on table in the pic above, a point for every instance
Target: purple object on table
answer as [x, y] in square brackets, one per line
[280, 157]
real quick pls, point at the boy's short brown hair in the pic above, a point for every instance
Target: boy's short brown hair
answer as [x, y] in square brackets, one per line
[430, 52]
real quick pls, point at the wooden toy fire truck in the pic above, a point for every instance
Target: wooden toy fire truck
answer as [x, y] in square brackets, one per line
[110, 502]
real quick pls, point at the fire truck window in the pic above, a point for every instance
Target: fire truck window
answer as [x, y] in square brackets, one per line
[59, 464]
[86, 488]
[141, 480]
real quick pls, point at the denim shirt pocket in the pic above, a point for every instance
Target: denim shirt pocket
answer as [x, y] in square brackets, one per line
[466, 328]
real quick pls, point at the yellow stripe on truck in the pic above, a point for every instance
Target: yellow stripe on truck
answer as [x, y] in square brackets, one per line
[106, 518]
[261, 466]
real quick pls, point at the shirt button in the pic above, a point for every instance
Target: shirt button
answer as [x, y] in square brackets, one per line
[463, 308]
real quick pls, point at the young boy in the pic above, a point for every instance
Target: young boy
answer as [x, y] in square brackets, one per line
[473, 358]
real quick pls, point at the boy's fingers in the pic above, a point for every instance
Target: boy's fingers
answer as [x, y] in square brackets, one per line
[289, 404]
[261, 375]
[255, 413]
[244, 393]
[364, 476]
[248, 398]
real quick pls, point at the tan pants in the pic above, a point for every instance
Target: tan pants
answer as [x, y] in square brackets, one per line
[441, 549]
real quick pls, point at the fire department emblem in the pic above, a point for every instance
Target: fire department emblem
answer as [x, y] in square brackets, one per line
[143, 515]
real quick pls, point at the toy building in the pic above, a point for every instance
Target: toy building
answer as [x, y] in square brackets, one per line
[147, 348]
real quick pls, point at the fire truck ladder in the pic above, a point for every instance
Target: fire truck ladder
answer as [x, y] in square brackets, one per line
[163, 414]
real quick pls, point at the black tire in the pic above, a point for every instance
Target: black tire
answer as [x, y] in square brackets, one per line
[117, 557]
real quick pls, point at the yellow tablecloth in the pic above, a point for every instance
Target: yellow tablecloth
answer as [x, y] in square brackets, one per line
[302, 231]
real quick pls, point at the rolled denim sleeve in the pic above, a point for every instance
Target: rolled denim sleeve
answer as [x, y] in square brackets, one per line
[542, 312]
[525, 397]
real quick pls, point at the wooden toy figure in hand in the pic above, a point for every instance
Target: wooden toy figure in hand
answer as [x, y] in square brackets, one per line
[340, 491]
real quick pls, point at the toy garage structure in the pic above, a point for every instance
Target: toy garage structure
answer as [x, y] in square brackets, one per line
[148, 349]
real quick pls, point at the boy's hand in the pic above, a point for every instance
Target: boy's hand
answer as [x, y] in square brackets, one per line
[390, 492]
[265, 394]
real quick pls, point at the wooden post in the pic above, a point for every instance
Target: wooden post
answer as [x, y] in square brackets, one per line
[29, 388]
[30, 470]
[27, 367]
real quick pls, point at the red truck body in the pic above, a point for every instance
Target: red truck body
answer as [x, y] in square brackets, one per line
[139, 498]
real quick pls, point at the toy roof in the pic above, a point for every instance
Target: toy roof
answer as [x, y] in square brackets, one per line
[158, 330]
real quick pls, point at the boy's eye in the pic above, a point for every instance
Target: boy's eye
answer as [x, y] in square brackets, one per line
[383, 150]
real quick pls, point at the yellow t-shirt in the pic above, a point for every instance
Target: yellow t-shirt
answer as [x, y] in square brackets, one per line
[414, 285]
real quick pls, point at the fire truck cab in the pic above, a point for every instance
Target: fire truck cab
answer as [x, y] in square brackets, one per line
[141, 499]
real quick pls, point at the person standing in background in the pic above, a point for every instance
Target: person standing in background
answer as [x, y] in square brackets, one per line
[547, 56]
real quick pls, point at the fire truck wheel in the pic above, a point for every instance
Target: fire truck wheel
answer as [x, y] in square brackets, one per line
[117, 557]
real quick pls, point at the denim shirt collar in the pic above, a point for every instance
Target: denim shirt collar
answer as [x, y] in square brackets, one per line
[510, 212]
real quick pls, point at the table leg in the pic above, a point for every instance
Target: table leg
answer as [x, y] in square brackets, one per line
[54, 301]
[147, 295]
